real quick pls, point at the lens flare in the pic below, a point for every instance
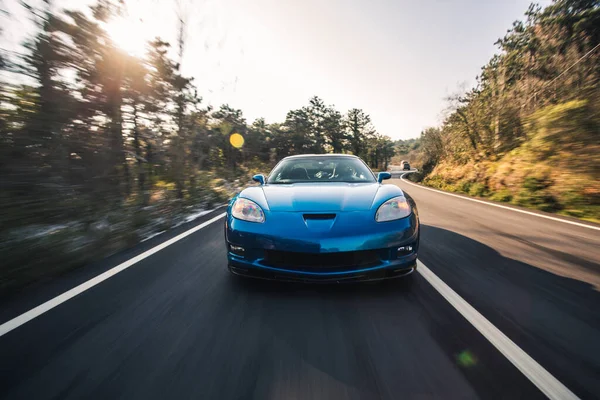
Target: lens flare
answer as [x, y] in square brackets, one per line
[466, 359]
[236, 140]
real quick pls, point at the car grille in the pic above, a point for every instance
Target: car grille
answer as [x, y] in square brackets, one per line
[321, 262]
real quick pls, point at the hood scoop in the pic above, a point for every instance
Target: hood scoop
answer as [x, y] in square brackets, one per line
[318, 217]
[319, 222]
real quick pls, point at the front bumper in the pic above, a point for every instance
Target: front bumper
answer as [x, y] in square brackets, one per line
[366, 276]
[350, 234]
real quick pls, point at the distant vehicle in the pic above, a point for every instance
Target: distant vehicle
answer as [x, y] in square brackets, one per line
[405, 166]
[322, 218]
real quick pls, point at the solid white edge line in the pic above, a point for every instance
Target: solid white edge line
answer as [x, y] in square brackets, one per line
[500, 206]
[541, 378]
[69, 294]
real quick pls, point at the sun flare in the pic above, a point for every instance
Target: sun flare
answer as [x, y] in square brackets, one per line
[130, 36]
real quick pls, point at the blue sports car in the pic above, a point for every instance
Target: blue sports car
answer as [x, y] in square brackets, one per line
[322, 218]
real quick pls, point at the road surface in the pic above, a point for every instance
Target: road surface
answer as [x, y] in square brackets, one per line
[176, 326]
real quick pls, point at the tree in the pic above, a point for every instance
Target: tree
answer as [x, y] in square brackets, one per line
[431, 147]
[259, 140]
[335, 134]
[359, 130]
[297, 127]
[95, 128]
[226, 122]
[317, 114]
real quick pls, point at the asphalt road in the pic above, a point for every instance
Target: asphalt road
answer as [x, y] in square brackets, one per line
[176, 325]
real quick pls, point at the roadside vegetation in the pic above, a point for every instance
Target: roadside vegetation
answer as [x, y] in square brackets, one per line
[100, 149]
[529, 132]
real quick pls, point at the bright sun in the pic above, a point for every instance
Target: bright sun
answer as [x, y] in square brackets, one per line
[130, 36]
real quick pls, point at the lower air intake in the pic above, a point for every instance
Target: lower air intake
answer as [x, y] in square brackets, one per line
[321, 262]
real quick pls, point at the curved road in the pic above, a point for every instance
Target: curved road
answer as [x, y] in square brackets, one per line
[175, 325]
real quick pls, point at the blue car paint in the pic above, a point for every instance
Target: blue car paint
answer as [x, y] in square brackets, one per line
[321, 197]
[353, 228]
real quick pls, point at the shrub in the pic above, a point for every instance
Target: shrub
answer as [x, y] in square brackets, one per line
[464, 187]
[140, 219]
[478, 189]
[563, 127]
[533, 184]
[435, 181]
[415, 177]
[503, 195]
[540, 200]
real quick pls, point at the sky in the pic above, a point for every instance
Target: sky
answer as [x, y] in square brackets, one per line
[395, 59]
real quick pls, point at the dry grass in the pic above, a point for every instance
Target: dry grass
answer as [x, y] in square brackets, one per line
[517, 178]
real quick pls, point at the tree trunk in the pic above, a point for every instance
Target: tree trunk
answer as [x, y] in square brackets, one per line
[468, 130]
[139, 158]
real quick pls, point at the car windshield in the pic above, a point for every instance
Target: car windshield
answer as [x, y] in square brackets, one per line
[321, 169]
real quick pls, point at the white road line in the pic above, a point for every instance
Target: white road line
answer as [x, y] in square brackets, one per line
[541, 378]
[69, 294]
[501, 206]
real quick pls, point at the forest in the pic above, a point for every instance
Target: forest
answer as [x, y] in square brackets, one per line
[529, 131]
[100, 149]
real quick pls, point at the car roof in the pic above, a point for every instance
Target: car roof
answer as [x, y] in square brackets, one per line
[321, 155]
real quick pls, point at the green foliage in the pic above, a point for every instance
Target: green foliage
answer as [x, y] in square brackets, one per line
[464, 186]
[478, 189]
[439, 182]
[525, 91]
[432, 148]
[563, 127]
[533, 118]
[503, 195]
[540, 200]
[534, 184]
[406, 146]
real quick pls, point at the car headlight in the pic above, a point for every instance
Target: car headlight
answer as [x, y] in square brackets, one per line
[247, 210]
[395, 208]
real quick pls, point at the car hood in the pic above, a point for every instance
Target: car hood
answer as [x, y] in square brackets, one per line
[321, 197]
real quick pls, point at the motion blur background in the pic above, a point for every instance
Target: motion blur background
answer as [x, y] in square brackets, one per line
[121, 119]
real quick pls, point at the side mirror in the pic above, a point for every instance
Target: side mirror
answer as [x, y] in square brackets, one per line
[259, 178]
[383, 175]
